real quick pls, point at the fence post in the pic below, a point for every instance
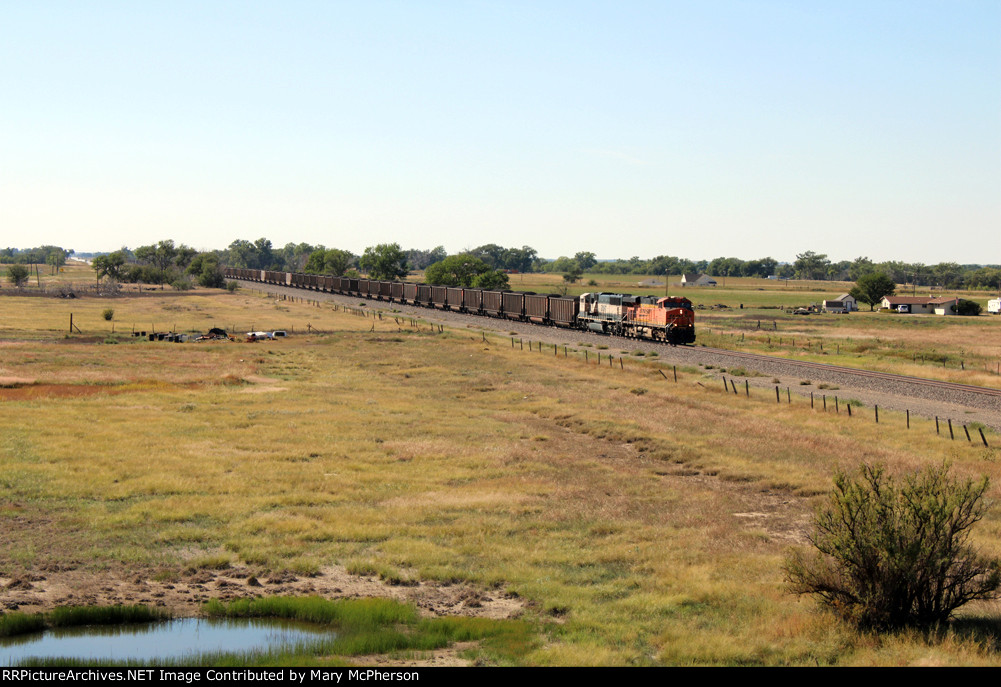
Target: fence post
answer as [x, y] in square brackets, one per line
[849, 406]
[951, 435]
[936, 424]
[982, 437]
[777, 400]
[747, 389]
[877, 415]
[675, 373]
[967, 433]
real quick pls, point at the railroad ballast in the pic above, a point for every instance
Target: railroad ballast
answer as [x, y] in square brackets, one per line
[668, 319]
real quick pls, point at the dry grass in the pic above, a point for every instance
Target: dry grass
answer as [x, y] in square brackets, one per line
[642, 528]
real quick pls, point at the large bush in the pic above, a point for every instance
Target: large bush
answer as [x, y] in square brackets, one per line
[18, 275]
[965, 307]
[894, 554]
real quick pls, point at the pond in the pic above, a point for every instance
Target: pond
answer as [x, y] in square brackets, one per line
[172, 639]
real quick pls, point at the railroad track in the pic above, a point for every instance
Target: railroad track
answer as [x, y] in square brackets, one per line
[890, 389]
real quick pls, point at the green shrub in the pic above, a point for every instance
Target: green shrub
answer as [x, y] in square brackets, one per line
[894, 554]
[108, 314]
[965, 307]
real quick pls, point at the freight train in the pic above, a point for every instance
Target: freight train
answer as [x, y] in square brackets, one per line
[668, 319]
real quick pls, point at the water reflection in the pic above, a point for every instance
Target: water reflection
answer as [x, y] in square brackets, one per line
[159, 641]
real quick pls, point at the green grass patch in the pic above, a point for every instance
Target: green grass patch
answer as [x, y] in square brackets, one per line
[14, 624]
[384, 626]
[73, 616]
[346, 613]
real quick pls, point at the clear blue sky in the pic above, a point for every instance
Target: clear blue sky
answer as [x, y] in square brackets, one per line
[701, 128]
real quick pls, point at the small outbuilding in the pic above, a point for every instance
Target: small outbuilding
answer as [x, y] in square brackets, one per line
[697, 280]
[842, 304]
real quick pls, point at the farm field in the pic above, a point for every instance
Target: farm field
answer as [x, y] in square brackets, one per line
[613, 510]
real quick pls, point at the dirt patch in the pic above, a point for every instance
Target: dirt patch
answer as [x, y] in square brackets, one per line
[261, 385]
[80, 340]
[261, 389]
[37, 391]
[259, 379]
[184, 594]
[50, 391]
[442, 658]
[14, 382]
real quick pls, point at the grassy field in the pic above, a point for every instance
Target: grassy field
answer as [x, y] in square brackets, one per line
[644, 522]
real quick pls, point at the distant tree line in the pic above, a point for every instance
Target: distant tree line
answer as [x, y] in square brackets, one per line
[53, 256]
[165, 263]
[386, 259]
[159, 264]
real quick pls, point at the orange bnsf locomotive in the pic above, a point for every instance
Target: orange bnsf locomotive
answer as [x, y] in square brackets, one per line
[667, 319]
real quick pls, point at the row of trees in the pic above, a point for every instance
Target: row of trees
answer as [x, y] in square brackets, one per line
[53, 256]
[160, 263]
[388, 261]
[808, 265]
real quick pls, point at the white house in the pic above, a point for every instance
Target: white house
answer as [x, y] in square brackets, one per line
[915, 305]
[994, 306]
